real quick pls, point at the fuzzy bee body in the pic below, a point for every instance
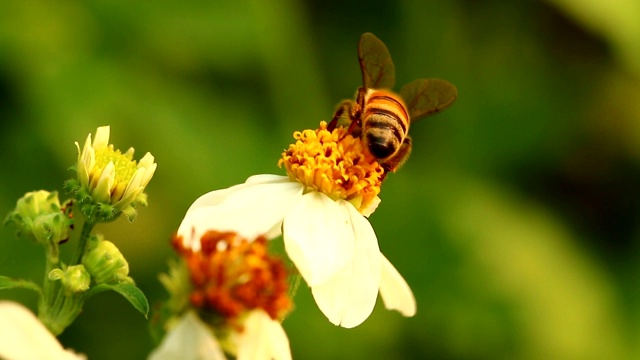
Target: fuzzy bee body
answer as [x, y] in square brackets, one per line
[385, 123]
[380, 117]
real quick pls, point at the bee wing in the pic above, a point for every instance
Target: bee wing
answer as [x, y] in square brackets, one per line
[378, 71]
[427, 96]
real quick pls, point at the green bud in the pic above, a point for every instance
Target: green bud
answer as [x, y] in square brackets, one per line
[105, 262]
[74, 278]
[38, 215]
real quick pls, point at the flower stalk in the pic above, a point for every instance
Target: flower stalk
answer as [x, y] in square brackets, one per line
[108, 183]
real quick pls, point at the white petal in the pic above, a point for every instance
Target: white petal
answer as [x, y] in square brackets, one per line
[267, 178]
[213, 198]
[82, 167]
[101, 140]
[87, 145]
[318, 237]
[135, 183]
[190, 339]
[349, 298]
[263, 196]
[216, 197]
[146, 161]
[262, 338]
[102, 189]
[251, 211]
[149, 166]
[22, 336]
[372, 207]
[394, 290]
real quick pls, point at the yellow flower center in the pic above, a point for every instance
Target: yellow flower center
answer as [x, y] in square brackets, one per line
[124, 167]
[333, 163]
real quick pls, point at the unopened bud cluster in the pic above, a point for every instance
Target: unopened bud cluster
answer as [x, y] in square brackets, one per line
[104, 261]
[39, 215]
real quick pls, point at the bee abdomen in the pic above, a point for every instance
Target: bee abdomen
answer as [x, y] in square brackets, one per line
[384, 123]
[385, 102]
[383, 135]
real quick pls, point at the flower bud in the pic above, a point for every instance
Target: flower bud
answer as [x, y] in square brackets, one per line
[105, 262]
[38, 215]
[109, 181]
[74, 278]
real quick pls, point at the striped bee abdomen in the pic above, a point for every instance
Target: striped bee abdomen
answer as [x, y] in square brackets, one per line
[385, 122]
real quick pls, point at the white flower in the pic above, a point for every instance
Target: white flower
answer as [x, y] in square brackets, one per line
[191, 339]
[332, 244]
[23, 337]
[262, 338]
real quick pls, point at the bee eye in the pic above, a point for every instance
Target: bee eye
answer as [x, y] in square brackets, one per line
[380, 146]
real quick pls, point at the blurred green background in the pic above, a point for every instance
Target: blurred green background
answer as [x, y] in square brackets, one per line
[516, 221]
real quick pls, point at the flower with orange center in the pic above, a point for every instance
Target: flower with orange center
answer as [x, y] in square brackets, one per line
[334, 163]
[320, 208]
[231, 276]
[238, 295]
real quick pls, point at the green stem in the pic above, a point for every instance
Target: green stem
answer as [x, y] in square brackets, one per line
[49, 287]
[56, 309]
[82, 242]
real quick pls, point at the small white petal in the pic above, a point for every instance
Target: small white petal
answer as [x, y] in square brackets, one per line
[22, 336]
[87, 145]
[190, 339]
[262, 338]
[146, 160]
[349, 298]
[150, 167]
[250, 211]
[102, 189]
[372, 207]
[128, 196]
[318, 237]
[135, 182]
[394, 290]
[101, 140]
[82, 169]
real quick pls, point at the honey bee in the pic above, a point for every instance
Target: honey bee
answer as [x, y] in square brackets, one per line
[380, 117]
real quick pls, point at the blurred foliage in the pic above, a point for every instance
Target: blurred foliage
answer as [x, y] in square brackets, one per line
[516, 221]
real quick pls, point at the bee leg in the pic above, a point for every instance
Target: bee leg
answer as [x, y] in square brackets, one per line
[356, 111]
[345, 106]
[398, 159]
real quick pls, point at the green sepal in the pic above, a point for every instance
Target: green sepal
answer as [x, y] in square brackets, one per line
[130, 292]
[71, 185]
[9, 283]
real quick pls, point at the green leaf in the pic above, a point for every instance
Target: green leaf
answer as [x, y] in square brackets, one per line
[9, 283]
[130, 292]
